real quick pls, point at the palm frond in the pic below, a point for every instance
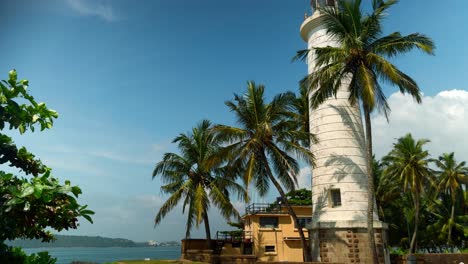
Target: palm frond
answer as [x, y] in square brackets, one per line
[395, 44]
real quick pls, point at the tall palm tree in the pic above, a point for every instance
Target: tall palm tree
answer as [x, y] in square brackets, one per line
[451, 176]
[361, 58]
[265, 145]
[386, 190]
[408, 163]
[198, 177]
[300, 113]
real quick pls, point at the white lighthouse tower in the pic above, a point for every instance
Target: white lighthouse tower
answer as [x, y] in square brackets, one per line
[339, 180]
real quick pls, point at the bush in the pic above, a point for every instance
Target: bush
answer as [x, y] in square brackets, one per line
[398, 251]
[18, 256]
[41, 258]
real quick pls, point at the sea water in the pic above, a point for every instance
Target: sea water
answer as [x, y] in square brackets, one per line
[103, 255]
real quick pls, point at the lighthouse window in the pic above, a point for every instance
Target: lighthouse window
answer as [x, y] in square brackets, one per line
[335, 196]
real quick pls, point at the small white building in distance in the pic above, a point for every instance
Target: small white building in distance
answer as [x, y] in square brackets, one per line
[152, 243]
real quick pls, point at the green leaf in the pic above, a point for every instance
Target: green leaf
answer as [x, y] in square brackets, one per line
[47, 198]
[76, 190]
[53, 113]
[15, 201]
[27, 191]
[3, 99]
[87, 217]
[38, 190]
[65, 189]
[21, 128]
[12, 75]
[87, 212]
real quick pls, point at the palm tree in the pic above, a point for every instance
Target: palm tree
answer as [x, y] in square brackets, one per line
[264, 146]
[408, 164]
[386, 190]
[361, 59]
[300, 113]
[197, 176]
[444, 222]
[450, 179]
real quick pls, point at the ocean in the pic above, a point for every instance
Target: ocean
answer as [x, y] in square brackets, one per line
[103, 255]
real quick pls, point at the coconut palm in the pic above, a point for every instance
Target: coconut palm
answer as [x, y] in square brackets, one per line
[386, 190]
[197, 177]
[300, 112]
[451, 176]
[408, 164]
[361, 61]
[265, 145]
[445, 222]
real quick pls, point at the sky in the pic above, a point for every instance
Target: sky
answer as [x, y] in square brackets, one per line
[128, 76]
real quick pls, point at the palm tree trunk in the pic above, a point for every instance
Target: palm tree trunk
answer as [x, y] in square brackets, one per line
[452, 217]
[416, 223]
[371, 188]
[306, 252]
[207, 229]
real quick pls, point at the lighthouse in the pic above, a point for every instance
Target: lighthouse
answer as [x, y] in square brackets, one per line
[338, 232]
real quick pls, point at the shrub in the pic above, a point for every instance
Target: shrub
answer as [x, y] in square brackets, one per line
[18, 256]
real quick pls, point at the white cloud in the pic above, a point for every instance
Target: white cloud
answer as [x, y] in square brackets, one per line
[442, 118]
[98, 8]
[149, 201]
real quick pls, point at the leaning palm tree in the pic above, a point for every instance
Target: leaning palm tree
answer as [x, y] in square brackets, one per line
[451, 176]
[361, 60]
[265, 145]
[408, 163]
[197, 176]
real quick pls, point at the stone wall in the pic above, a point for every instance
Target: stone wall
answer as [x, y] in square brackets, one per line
[198, 250]
[233, 259]
[197, 255]
[200, 244]
[348, 245]
[289, 262]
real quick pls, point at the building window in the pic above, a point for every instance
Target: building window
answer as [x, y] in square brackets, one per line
[270, 249]
[269, 222]
[303, 222]
[335, 196]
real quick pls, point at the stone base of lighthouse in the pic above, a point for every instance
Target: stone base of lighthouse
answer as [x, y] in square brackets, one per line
[347, 242]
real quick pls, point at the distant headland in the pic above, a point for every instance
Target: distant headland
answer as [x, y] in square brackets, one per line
[87, 241]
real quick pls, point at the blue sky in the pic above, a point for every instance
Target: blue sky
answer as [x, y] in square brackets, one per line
[127, 76]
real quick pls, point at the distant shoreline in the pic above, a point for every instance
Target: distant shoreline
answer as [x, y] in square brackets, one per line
[65, 241]
[103, 247]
